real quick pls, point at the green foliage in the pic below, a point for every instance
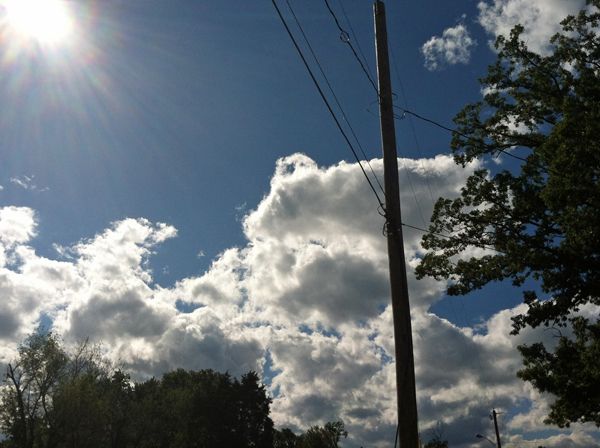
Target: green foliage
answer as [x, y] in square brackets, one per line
[204, 409]
[285, 438]
[566, 373]
[327, 436]
[32, 381]
[436, 443]
[55, 399]
[539, 219]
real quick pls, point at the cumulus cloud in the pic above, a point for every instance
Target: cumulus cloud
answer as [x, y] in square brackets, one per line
[305, 300]
[540, 18]
[452, 47]
[28, 283]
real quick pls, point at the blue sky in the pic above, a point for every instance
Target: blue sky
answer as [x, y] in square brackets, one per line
[177, 112]
[169, 153]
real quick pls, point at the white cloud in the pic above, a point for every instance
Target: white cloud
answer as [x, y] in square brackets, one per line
[307, 294]
[452, 47]
[28, 183]
[540, 18]
[17, 225]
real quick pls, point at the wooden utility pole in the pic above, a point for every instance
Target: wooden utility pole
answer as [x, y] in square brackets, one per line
[495, 415]
[405, 369]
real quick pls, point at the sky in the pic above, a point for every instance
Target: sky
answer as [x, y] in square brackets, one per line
[172, 186]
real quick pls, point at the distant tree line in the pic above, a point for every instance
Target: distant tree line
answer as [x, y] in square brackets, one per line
[54, 399]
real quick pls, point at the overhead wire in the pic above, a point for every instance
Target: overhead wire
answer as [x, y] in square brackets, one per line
[360, 51]
[364, 66]
[340, 128]
[408, 175]
[335, 97]
[448, 237]
[414, 193]
[410, 120]
[454, 131]
[345, 37]
[326, 101]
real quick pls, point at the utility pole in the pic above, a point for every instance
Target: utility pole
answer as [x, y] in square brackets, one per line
[495, 415]
[405, 369]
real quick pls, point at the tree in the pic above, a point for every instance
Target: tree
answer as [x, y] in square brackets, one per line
[59, 399]
[255, 425]
[327, 436]
[202, 409]
[436, 443]
[569, 373]
[285, 438]
[53, 398]
[80, 413]
[537, 221]
[31, 381]
[437, 437]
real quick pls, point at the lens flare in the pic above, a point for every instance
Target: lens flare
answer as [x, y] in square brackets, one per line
[46, 21]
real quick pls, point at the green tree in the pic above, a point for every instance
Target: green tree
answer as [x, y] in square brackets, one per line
[285, 438]
[202, 409]
[256, 428]
[436, 443]
[81, 401]
[80, 413]
[327, 436]
[55, 399]
[26, 402]
[538, 219]
[119, 394]
[148, 426]
[571, 372]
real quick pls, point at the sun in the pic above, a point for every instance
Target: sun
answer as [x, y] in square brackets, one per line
[46, 21]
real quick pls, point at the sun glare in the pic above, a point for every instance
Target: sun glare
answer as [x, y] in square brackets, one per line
[46, 21]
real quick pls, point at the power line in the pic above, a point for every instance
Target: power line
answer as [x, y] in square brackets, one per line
[454, 131]
[324, 98]
[449, 237]
[412, 188]
[340, 128]
[364, 59]
[316, 59]
[411, 122]
[342, 31]
[345, 37]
